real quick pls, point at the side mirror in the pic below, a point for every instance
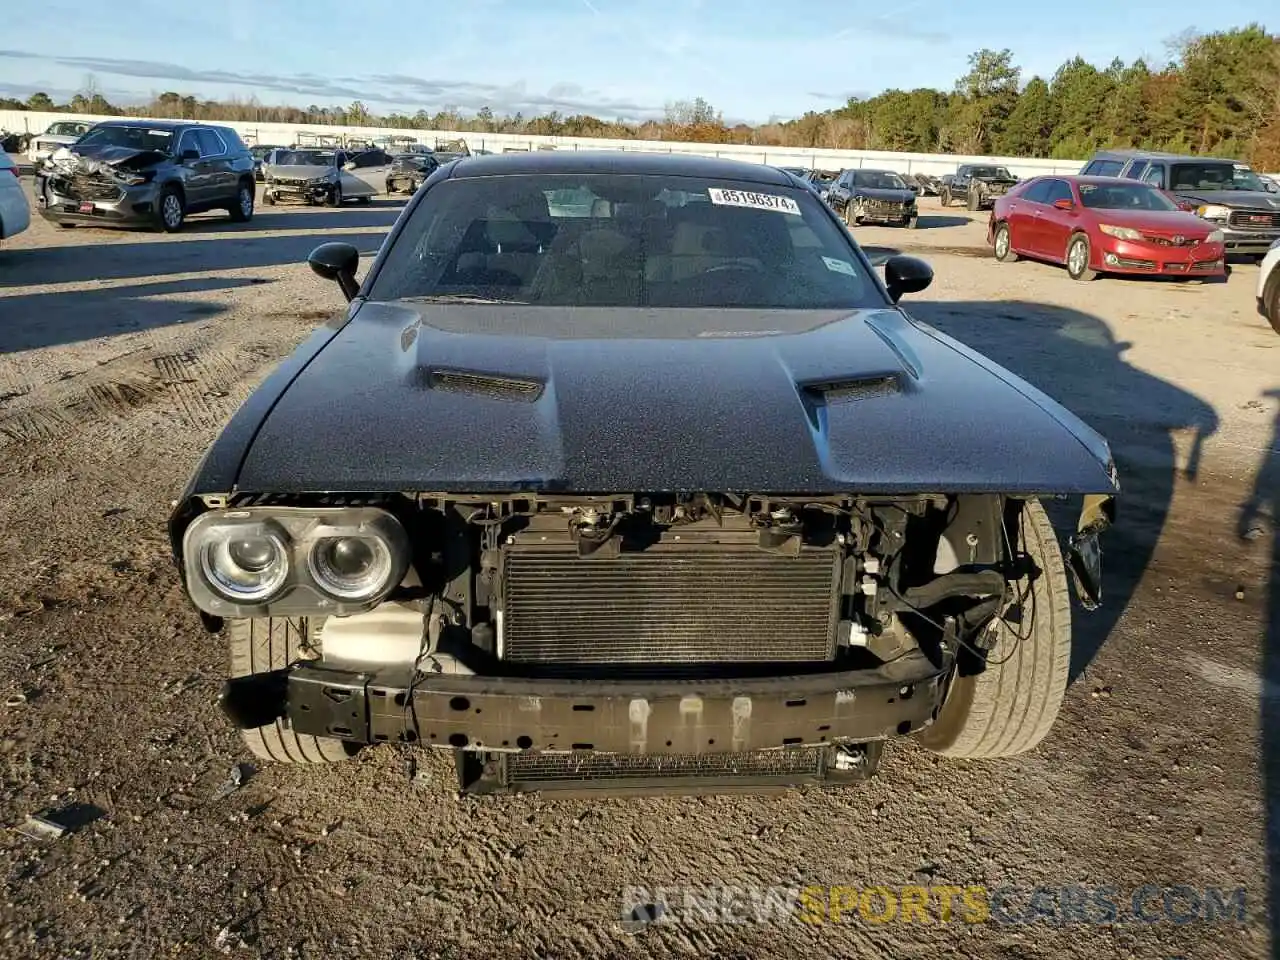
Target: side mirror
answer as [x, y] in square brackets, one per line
[337, 261]
[189, 155]
[1064, 204]
[903, 275]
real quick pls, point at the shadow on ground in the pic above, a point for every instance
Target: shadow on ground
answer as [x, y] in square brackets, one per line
[1074, 358]
[153, 258]
[936, 221]
[1260, 519]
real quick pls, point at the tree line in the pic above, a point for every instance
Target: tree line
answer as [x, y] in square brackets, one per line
[1217, 93]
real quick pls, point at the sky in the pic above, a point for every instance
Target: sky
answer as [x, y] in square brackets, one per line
[752, 60]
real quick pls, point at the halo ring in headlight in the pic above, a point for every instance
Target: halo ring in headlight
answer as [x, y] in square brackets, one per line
[245, 566]
[351, 567]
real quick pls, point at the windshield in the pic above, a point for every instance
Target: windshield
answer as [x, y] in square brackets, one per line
[993, 173]
[878, 180]
[303, 158]
[625, 241]
[137, 138]
[65, 129]
[1124, 196]
[1214, 176]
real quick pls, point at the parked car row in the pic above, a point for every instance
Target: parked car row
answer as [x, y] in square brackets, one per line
[155, 173]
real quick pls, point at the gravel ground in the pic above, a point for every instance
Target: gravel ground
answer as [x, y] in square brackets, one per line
[122, 353]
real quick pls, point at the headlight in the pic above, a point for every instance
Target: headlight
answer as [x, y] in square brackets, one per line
[1219, 237]
[1212, 211]
[1120, 233]
[292, 561]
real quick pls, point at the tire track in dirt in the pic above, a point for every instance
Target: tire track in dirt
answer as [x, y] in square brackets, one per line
[203, 384]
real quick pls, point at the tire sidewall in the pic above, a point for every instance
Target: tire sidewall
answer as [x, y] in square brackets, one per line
[171, 192]
[1002, 231]
[239, 213]
[1076, 240]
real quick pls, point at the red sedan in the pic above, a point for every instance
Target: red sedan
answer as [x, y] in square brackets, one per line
[1103, 225]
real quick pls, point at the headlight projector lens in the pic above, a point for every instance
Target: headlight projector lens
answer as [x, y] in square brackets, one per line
[350, 568]
[246, 565]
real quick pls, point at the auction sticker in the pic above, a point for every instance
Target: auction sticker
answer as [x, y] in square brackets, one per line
[840, 266]
[756, 201]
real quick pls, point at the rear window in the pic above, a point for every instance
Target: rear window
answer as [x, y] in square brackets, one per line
[1104, 168]
[625, 241]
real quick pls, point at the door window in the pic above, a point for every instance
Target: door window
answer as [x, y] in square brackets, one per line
[1057, 190]
[1037, 192]
[1136, 170]
[1154, 175]
[188, 142]
[211, 144]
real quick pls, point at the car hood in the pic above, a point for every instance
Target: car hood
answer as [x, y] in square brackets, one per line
[56, 138]
[892, 196]
[93, 157]
[1251, 199]
[301, 171]
[478, 398]
[1172, 221]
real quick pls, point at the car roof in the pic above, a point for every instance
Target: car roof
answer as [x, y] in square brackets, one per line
[1099, 180]
[618, 162]
[155, 124]
[1127, 153]
[876, 170]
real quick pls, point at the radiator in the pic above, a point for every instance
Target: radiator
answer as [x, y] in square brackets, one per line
[670, 603]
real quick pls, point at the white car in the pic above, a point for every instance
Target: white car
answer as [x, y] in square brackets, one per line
[15, 215]
[1269, 286]
[60, 134]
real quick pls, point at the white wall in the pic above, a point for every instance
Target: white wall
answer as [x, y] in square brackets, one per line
[23, 121]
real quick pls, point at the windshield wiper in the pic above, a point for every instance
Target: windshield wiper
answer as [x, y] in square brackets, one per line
[461, 298]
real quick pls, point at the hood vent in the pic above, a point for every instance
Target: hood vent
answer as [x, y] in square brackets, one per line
[495, 386]
[853, 388]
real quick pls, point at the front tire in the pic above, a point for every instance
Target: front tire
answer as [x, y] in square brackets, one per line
[335, 196]
[945, 197]
[171, 211]
[263, 644]
[1271, 299]
[911, 222]
[1009, 707]
[973, 201]
[1079, 253]
[1003, 244]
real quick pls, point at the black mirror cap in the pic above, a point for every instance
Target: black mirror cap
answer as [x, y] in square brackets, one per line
[190, 154]
[337, 261]
[903, 275]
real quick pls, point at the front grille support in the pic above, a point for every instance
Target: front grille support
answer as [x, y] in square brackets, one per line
[684, 774]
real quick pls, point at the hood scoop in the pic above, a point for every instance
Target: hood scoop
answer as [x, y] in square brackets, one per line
[492, 385]
[848, 389]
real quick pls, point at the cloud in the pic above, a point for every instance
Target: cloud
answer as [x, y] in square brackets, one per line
[397, 90]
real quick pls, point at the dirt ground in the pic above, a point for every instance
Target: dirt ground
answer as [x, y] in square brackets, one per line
[122, 353]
